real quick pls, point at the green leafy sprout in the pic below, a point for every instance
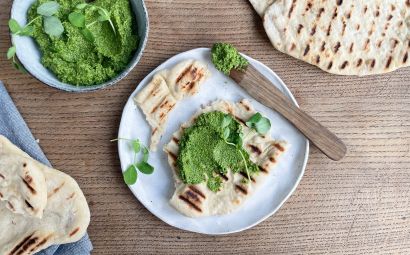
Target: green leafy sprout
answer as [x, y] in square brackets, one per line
[51, 25]
[131, 174]
[237, 138]
[259, 123]
[77, 19]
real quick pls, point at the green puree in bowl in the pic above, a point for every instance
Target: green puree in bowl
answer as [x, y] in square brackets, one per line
[78, 61]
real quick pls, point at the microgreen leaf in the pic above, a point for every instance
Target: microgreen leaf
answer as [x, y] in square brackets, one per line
[259, 123]
[11, 52]
[87, 34]
[226, 121]
[14, 26]
[226, 133]
[145, 154]
[77, 19]
[53, 26]
[48, 8]
[81, 6]
[130, 175]
[145, 168]
[263, 126]
[136, 146]
[27, 31]
[103, 18]
[252, 120]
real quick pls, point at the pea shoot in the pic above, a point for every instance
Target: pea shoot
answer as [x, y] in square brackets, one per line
[77, 19]
[237, 140]
[261, 124]
[51, 25]
[131, 174]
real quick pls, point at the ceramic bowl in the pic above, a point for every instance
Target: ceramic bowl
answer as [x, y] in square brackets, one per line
[30, 56]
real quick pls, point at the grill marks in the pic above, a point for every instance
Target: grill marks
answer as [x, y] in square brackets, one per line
[300, 28]
[27, 183]
[255, 149]
[192, 205]
[28, 244]
[343, 66]
[292, 7]
[74, 231]
[339, 2]
[2, 176]
[29, 205]
[359, 62]
[337, 46]
[306, 50]
[388, 62]
[193, 197]
[241, 189]
[405, 57]
[197, 191]
[55, 190]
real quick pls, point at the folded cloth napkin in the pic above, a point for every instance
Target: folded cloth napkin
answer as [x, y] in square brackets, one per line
[15, 129]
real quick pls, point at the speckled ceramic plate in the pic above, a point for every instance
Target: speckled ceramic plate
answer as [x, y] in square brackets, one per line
[30, 56]
[154, 191]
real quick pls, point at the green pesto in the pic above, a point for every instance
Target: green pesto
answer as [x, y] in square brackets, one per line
[203, 153]
[78, 61]
[225, 58]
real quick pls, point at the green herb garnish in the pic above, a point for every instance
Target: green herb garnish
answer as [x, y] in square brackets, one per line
[261, 124]
[130, 175]
[51, 25]
[225, 58]
[104, 14]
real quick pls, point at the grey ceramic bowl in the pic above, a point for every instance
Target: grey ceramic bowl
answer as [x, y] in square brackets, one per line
[29, 54]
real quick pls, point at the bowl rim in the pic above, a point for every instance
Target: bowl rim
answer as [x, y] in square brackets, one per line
[81, 89]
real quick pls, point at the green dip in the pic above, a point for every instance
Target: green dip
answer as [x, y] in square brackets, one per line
[204, 154]
[78, 61]
[225, 58]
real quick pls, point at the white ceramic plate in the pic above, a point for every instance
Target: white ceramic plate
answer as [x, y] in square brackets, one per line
[154, 191]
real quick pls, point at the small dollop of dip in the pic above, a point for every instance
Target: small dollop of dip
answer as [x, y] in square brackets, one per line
[225, 58]
[78, 61]
[207, 151]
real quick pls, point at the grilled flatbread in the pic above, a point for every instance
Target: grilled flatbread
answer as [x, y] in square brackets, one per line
[345, 37]
[162, 94]
[65, 218]
[22, 186]
[260, 6]
[197, 200]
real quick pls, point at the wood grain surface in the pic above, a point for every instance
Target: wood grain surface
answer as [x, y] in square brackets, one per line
[360, 205]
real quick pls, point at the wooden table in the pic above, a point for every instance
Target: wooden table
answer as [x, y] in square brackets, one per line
[360, 205]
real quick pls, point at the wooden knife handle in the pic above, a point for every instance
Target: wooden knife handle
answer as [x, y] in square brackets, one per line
[260, 88]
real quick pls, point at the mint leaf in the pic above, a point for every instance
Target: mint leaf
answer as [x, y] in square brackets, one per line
[145, 168]
[53, 26]
[14, 26]
[77, 19]
[130, 175]
[87, 34]
[11, 52]
[48, 8]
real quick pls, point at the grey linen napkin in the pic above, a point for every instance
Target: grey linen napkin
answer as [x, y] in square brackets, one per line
[15, 129]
